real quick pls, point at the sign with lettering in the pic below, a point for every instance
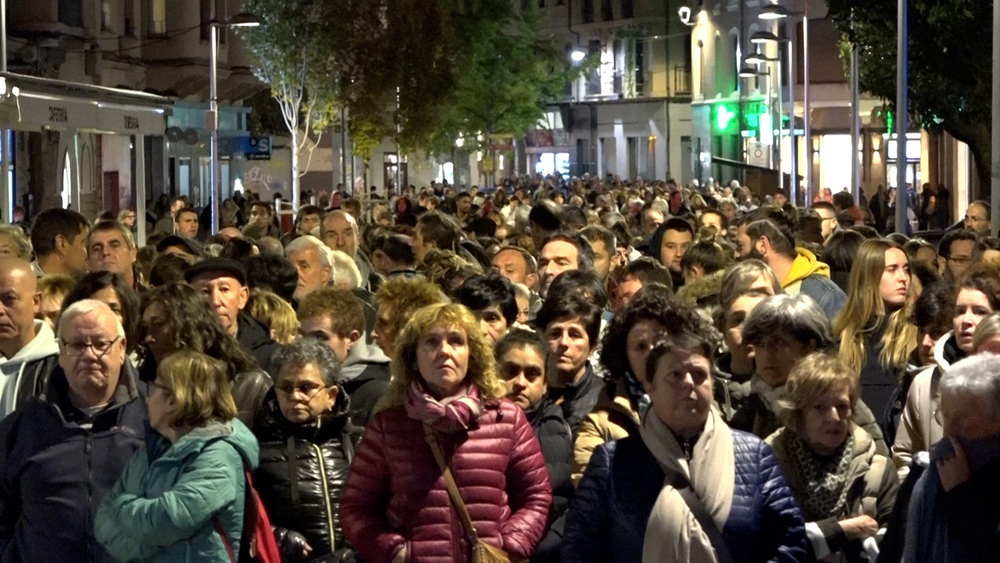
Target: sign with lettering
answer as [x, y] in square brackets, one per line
[131, 122]
[58, 114]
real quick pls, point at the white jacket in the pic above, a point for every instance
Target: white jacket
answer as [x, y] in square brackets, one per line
[44, 344]
[918, 428]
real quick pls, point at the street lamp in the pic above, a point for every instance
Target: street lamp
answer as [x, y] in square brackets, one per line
[241, 19]
[773, 12]
[577, 55]
[748, 72]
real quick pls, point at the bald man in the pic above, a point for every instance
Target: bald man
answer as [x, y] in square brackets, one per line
[340, 232]
[22, 338]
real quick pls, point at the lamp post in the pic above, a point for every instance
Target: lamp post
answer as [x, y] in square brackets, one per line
[757, 58]
[761, 38]
[773, 12]
[6, 199]
[241, 19]
[902, 108]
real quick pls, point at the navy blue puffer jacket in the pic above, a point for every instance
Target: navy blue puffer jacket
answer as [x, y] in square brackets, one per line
[607, 518]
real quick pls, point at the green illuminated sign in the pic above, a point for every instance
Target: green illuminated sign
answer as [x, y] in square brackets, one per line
[724, 117]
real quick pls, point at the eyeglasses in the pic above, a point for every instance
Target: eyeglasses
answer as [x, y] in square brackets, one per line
[160, 386]
[101, 347]
[961, 259]
[309, 390]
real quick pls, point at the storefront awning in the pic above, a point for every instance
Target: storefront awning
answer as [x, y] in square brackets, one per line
[29, 103]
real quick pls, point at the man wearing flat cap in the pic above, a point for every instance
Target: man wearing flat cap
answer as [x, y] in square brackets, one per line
[224, 283]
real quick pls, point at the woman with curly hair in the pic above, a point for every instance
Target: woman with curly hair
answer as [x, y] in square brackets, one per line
[445, 442]
[175, 316]
[627, 341]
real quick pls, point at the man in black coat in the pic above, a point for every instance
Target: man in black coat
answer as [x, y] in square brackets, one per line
[521, 360]
[61, 452]
[224, 283]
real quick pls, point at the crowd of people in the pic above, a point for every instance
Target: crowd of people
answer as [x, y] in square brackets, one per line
[602, 371]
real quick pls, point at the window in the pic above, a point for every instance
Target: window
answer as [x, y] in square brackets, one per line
[106, 15]
[628, 9]
[130, 18]
[158, 23]
[588, 11]
[640, 66]
[607, 14]
[205, 7]
[541, 3]
[71, 13]
[221, 15]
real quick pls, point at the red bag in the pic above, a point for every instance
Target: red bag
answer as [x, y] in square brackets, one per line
[257, 542]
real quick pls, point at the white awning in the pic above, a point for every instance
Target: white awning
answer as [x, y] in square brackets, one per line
[29, 103]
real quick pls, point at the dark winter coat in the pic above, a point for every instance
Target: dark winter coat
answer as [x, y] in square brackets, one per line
[878, 383]
[366, 390]
[302, 472]
[608, 516]
[255, 337]
[55, 469]
[396, 496]
[578, 399]
[556, 440]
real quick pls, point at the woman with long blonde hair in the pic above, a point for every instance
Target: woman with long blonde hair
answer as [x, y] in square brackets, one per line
[876, 336]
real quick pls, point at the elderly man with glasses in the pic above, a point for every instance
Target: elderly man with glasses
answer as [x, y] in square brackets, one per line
[65, 448]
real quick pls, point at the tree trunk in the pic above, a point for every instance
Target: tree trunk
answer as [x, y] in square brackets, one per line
[295, 168]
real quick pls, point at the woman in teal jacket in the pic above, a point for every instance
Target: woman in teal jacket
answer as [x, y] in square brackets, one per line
[164, 505]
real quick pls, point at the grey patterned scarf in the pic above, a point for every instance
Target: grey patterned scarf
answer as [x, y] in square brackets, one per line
[825, 477]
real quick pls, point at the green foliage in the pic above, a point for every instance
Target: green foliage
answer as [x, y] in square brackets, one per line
[265, 116]
[949, 45]
[504, 77]
[293, 49]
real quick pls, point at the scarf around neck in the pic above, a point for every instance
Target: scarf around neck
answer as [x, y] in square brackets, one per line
[450, 415]
[672, 532]
[825, 477]
[769, 395]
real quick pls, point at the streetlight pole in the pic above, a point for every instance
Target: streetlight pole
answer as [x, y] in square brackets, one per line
[212, 123]
[902, 106]
[6, 193]
[855, 126]
[806, 120]
[241, 19]
[995, 168]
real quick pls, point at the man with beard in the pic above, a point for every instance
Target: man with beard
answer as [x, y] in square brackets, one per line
[797, 268]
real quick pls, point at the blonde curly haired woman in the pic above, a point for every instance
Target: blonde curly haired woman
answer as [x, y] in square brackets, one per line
[445, 408]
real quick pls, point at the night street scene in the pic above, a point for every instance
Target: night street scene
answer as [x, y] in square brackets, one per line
[499, 281]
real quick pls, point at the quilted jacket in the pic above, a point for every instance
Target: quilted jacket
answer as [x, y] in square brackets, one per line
[302, 471]
[396, 496]
[607, 518]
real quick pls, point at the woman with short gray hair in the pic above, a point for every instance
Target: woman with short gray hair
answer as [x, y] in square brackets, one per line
[781, 330]
[306, 445]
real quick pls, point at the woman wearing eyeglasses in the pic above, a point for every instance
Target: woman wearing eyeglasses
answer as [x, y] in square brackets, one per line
[181, 498]
[306, 446]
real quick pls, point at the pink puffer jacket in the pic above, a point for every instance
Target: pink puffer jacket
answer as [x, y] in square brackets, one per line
[396, 495]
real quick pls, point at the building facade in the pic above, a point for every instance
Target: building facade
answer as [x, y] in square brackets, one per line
[630, 115]
[143, 56]
[742, 124]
